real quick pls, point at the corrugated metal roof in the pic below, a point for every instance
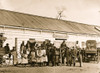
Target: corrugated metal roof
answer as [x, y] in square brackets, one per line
[11, 18]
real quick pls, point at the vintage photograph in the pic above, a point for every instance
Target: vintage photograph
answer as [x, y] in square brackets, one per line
[49, 36]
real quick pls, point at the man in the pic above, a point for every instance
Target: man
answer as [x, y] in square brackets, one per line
[63, 47]
[63, 44]
[57, 56]
[52, 55]
[79, 53]
[43, 45]
[79, 56]
[7, 49]
[74, 54]
[77, 45]
[48, 52]
[67, 55]
[70, 57]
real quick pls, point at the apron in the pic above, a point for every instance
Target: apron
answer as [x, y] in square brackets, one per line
[33, 57]
[25, 59]
[45, 59]
[39, 56]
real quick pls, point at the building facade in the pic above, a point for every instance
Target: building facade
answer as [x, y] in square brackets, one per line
[18, 27]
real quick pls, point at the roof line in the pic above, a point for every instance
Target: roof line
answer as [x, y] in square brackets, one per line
[34, 29]
[45, 17]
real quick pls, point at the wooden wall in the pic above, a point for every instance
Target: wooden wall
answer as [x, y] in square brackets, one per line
[24, 35]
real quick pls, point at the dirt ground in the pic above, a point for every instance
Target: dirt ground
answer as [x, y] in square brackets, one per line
[87, 68]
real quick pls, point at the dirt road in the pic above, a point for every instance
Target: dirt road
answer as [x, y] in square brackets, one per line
[87, 68]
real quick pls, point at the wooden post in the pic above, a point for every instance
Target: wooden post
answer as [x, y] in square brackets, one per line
[14, 53]
[15, 44]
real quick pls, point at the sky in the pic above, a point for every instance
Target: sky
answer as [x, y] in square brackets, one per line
[82, 11]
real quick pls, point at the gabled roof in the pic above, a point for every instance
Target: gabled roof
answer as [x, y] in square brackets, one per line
[11, 18]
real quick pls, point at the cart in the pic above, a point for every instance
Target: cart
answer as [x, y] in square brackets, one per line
[91, 53]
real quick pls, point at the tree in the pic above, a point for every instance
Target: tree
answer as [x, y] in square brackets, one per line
[60, 12]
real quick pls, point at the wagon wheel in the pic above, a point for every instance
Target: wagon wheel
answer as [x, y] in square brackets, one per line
[95, 58]
[86, 58]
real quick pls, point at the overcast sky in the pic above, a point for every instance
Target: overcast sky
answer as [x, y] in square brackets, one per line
[83, 11]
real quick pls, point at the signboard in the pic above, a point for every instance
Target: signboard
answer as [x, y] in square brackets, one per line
[60, 36]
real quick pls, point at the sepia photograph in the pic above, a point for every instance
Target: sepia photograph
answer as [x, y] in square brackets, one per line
[49, 36]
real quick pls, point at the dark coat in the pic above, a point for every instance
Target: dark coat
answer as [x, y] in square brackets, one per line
[7, 49]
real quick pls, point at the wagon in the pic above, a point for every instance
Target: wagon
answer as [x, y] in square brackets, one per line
[91, 53]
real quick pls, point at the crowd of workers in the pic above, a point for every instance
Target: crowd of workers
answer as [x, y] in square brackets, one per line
[49, 55]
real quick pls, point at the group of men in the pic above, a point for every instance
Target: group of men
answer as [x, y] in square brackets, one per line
[47, 54]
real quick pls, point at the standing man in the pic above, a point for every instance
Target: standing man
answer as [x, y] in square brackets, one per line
[77, 46]
[53, 55]
[74, 55]
[57, 56]
[7, 49]
[48, 52]
[67, 53]
[63, 47]
[79, 54]
[70, 57]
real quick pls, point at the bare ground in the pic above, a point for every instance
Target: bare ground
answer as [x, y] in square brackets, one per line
[87, 68]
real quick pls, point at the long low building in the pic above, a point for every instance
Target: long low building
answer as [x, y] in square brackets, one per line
[18, 27]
